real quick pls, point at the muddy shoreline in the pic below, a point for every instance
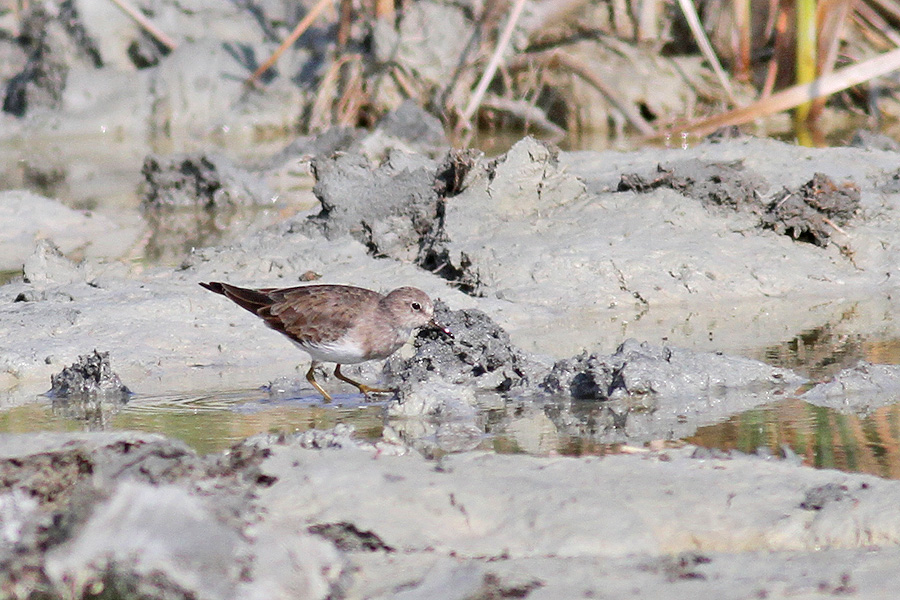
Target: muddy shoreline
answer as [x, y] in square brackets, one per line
[627, 297]
[540, 241]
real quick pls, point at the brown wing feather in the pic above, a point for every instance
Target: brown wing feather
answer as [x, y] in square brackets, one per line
[319, 313]
[306, 313]
[252, 300]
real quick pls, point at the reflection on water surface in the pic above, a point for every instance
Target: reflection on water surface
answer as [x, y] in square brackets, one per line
[821, 437]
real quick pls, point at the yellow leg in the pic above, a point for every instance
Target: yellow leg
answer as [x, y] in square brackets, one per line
[310, 377]
[360, 386]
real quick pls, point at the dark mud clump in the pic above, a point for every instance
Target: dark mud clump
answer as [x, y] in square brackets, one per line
[713, 184]
[812, 213]
[54, 482]
[644, 392]
[90, 375]
[815, 211]
[200, 180]
[53, 41]
[347, 537]
[479, 354]
[820, 496]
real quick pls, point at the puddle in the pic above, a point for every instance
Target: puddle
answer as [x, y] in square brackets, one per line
[213, 422]
[106, 182]
[102, 177]
[206, 422]
[821, 437]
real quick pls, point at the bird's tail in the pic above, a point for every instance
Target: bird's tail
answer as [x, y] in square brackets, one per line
[251, 300]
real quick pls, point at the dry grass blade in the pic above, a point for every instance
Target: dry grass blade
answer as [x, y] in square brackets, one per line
[144, 22]
[742, 19]
[353, 99]
[690, 13]
[301, 27]
[873, 23]
[494, 63]
[321, 114]
[889, 7]
[792, 96]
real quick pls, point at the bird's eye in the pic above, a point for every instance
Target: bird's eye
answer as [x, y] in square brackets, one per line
[416, 306]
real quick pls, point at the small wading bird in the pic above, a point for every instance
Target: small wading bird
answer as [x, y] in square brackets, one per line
[337, 323]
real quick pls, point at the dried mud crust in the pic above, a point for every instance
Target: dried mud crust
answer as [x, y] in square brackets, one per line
[56, 482]
[399, 208]
[811, 213]
[641, 369]
[395, 209]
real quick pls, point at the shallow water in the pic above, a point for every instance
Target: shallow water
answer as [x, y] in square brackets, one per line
[105, 182]
[821, 437]
[210, 422]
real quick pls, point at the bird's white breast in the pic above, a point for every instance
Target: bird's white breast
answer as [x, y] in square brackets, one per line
[344, 352]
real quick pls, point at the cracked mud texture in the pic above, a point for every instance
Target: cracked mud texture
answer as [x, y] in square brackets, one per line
[61, 495]
[143, 515]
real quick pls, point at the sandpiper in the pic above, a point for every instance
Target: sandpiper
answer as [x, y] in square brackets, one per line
[342, 324]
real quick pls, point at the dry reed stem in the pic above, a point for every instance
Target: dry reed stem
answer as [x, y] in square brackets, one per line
[301, 27]
[158, 34]
[742, 19]
[494, 62]
[690, 13]
[794, 95]
[887, 6]
[403, 81]
[832, 17]
[353, 98]
[321, 112]
[874, 22]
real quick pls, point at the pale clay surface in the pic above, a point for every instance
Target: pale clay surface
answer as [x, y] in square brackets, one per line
[566, 264]
[553, 270]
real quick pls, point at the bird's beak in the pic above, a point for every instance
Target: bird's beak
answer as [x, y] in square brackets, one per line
[435, 325]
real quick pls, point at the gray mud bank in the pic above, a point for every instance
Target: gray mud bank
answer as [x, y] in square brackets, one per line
[320, 515]
[635, 284]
